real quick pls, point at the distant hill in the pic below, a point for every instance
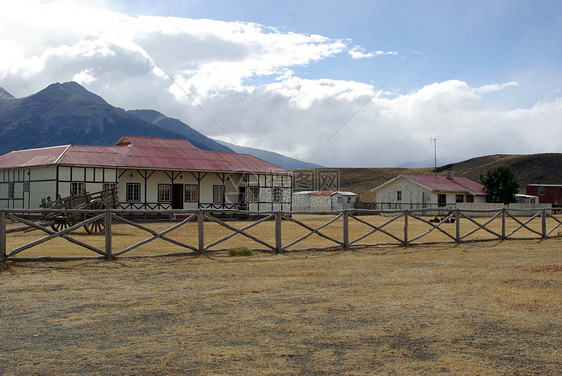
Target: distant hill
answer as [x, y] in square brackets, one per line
[176, 126]
[528, 169]
[272, 157]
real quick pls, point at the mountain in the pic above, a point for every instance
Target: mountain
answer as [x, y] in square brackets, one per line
[5, 96]
[528, 169]
[176, 126]
[68, 114]
[272, 157]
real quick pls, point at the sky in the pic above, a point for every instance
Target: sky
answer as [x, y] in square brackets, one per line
[343, 84]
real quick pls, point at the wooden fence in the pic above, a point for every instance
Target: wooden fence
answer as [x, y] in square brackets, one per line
[345, 229]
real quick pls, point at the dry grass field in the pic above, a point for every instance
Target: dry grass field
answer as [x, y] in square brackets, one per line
[480, 308]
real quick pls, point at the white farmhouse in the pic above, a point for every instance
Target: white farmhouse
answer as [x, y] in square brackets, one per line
[414, 191]
[150, 173]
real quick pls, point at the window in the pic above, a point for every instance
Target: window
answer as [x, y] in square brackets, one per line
[133, 192]
[107, 186]
[26, 186]
[253, 194]
[164, 192]
[398, 195]
[349, 200]
[190, 193]
[11, 190]
[340, 200]
[276, 193]
[459, 198]
[441, 199]
[77, 188]
[218, 194]
[541, 191]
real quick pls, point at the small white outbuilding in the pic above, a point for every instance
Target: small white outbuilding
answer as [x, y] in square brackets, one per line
[314, 201]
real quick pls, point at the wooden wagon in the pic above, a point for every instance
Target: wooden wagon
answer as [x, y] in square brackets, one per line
[98, 201]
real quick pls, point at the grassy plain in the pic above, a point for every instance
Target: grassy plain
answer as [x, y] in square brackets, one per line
[484, 308]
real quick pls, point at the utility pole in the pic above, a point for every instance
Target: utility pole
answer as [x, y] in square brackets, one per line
[434, 153]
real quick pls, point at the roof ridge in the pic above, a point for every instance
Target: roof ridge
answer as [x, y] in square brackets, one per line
[62, 154]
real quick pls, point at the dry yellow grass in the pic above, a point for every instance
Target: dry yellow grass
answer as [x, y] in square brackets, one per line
[490, 308]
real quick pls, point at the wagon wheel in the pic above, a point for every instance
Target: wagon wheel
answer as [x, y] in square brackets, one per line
[62, 224]
[97, 226]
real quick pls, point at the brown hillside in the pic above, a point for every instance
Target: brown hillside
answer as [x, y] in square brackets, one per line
[528, 169]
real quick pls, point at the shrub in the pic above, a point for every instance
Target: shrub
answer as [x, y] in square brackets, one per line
[240, 251]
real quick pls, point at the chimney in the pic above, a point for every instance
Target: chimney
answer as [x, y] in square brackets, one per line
[449, 175]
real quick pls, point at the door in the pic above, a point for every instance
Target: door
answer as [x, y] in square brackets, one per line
[242, 199]
[441, 200]
[177, 196]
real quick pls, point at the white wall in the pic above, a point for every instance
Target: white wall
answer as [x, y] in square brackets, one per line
[411, 193]
[340, 202]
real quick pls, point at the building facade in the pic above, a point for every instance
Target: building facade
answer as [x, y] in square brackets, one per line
[414, 191]
[150, 174]
[327, 200]
[547, 193]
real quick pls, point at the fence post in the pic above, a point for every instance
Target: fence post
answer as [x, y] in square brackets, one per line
[278, 239]
[503, 224]
[3, 235]
[345, 229]
[406, 228]
[543, 223]
[108, 245]
[201, 231]
[458, 225]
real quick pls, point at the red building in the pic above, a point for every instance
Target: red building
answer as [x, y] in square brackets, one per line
[547, 193]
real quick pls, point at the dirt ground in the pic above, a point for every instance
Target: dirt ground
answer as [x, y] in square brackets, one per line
[486, 308]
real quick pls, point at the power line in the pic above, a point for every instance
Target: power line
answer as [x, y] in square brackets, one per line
[193, 100]
[361, 107]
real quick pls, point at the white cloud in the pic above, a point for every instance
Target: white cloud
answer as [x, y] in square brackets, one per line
[298, 116]
[358, 52]
[243, 76]
[85, 77]
[494, 87]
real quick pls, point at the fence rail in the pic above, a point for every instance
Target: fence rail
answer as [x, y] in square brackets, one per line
[283, 232]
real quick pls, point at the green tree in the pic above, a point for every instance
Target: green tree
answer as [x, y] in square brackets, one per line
[500, 182]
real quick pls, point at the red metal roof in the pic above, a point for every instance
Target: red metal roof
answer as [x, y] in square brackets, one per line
[443, 184]
[141, 152]
[329, 192]
[324, 193]
[32, 157]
